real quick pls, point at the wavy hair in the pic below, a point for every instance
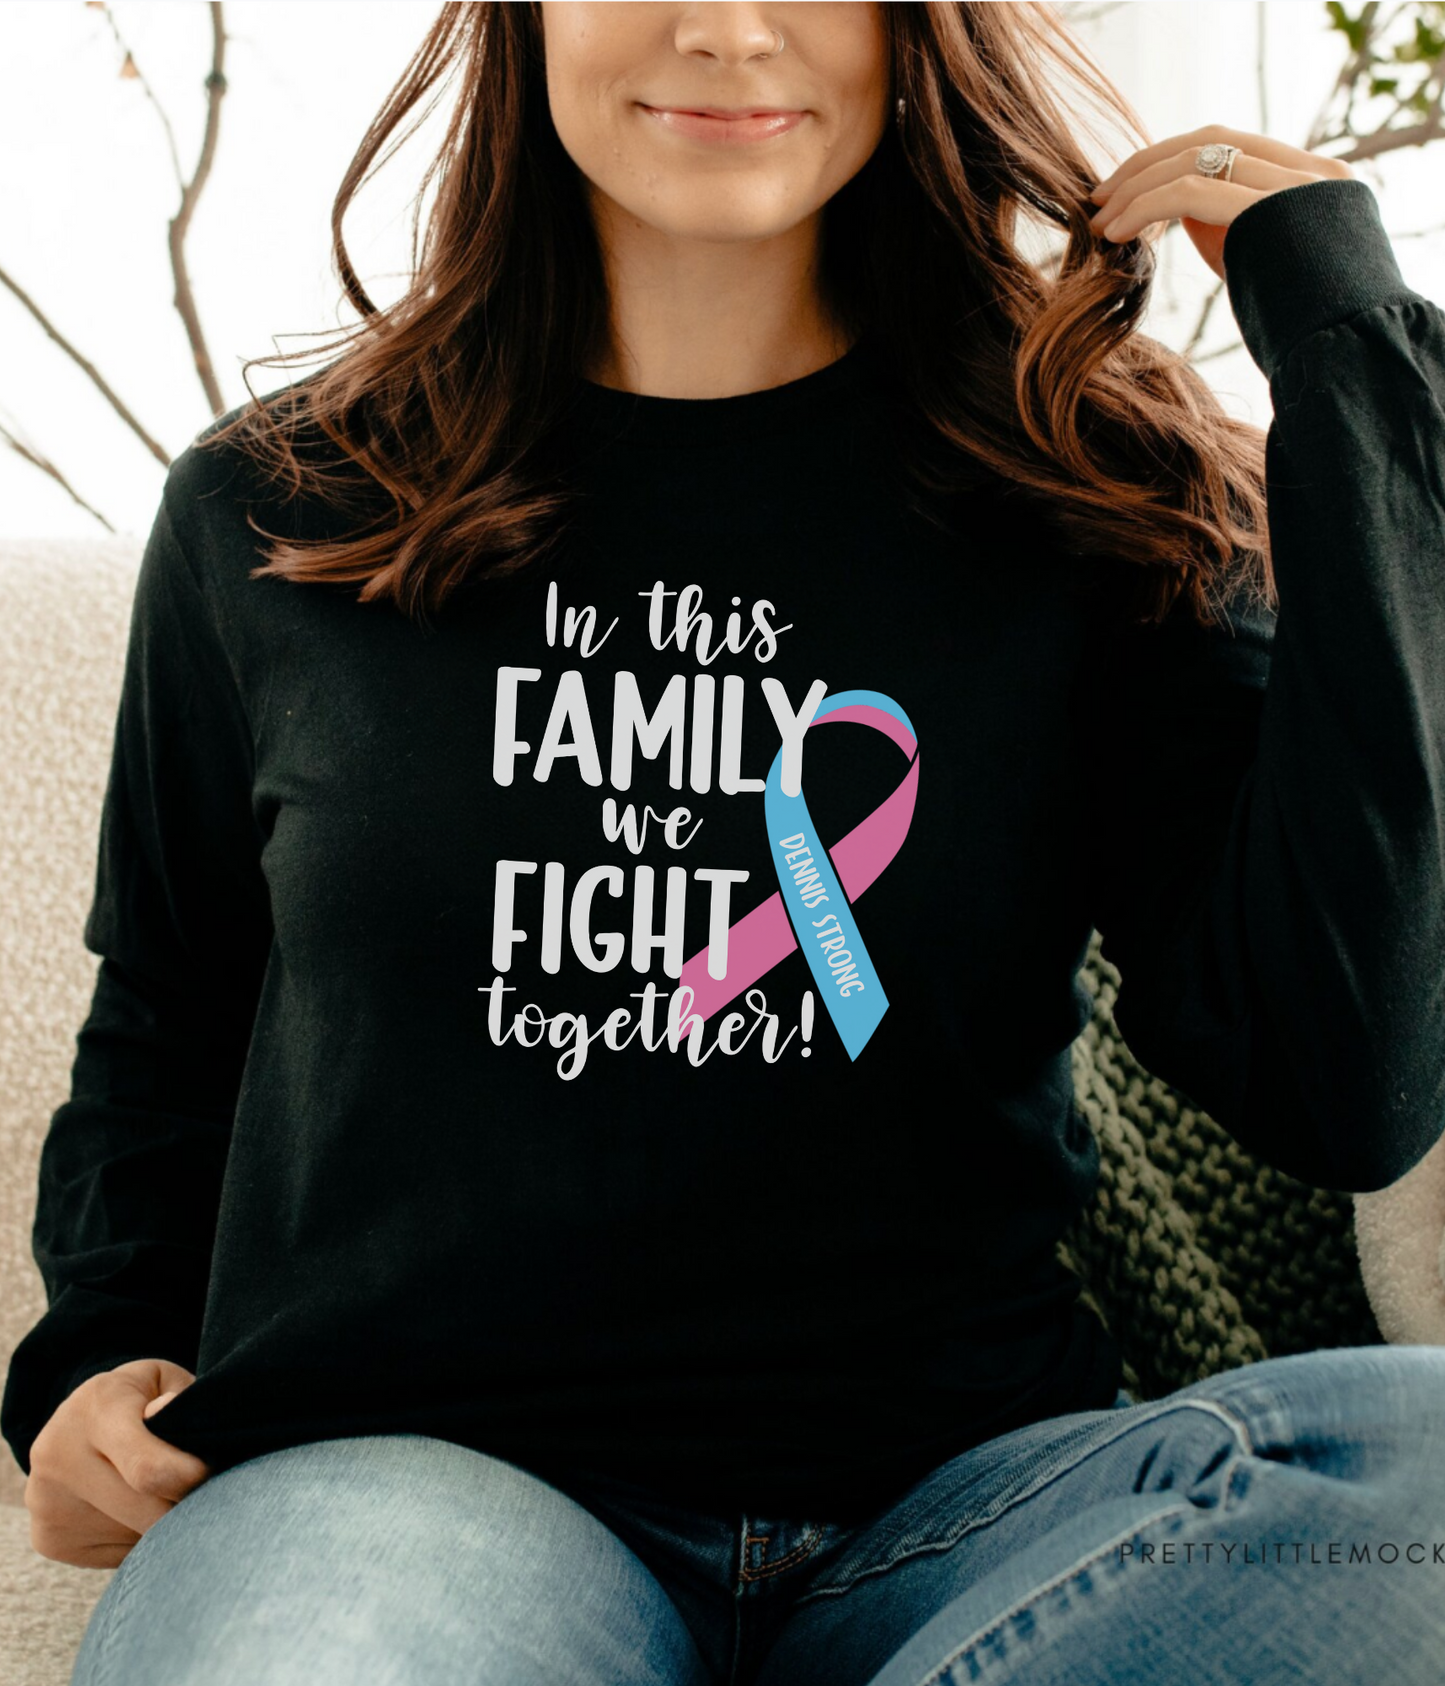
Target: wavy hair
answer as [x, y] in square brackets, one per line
[442, 410]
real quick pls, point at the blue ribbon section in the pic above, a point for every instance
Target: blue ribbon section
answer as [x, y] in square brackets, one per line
[821, 915]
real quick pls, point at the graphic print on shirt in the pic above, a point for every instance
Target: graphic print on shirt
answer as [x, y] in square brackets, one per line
[818, 882]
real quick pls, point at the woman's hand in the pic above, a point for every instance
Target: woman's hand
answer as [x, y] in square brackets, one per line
[1159, 183]
[98, 1476]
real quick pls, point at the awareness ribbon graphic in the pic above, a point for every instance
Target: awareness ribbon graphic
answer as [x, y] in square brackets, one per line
[817, 888]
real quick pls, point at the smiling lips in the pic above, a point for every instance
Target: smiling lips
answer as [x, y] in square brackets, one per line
[711, 123]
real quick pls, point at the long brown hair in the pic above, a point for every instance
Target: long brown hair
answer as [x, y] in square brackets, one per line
[440, 407]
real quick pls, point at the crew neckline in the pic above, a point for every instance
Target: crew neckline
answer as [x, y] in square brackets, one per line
[648, 418]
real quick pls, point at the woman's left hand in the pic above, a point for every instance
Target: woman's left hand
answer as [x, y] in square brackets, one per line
[1160, 182]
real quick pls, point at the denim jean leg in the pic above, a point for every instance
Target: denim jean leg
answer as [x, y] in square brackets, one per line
[398, 1560]
[732, 1576]
[777, 1559]
[1187, 1538]
[975, 1513]
[693, 1553]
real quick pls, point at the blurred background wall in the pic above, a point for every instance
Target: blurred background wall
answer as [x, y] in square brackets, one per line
[92, 95]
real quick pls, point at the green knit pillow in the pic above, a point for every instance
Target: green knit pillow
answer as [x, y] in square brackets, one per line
[1198, 1257]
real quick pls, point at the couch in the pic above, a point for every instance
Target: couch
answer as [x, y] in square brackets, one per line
[1197, 1256]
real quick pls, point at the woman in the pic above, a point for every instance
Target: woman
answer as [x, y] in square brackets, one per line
[565, 1162]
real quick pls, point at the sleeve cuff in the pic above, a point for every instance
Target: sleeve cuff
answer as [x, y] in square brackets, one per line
[1306, 258]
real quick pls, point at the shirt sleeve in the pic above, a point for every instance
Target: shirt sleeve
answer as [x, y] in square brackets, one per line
[132, 1163]
[1270, 879]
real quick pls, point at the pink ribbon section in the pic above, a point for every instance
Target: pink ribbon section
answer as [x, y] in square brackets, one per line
[763, 938]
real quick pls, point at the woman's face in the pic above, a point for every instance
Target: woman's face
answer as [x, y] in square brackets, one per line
[627, 83]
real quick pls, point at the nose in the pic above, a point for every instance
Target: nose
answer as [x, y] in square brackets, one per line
[732, 34]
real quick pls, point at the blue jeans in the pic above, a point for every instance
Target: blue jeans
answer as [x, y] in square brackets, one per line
[1282, 1522]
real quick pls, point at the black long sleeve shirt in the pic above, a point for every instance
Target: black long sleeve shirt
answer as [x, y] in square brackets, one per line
[624, 1025]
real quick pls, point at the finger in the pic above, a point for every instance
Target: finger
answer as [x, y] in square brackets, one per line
[70, 1529]
[1263, 147]
[120, 1406]
[92, 1506]
[155, 1374]
[1257, 173]
[146, 1462]
[1198, 197]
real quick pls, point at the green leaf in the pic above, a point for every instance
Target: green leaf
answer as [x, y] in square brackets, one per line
[1353, 29]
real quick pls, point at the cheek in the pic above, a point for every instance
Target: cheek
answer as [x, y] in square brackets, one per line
[864, 105]
[856, 69]
[589, 121]
[849, 140]
[606, 138]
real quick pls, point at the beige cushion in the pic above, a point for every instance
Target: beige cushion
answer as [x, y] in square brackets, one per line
[64, 616]
[44, 1606]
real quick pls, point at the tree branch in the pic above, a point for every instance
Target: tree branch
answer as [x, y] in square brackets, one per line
[1219, 351]
[88, 369]
[185, 299]
[1216, 292]
[1357, 61]
[134, 69]
[1261, 65]
[1077, 13]
[1364, 34]
[1395, 140]
[38, 460]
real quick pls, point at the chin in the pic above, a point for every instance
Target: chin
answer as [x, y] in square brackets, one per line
[718, 206]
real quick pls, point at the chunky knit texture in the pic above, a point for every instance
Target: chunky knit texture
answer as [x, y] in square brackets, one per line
[1196, 1255]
